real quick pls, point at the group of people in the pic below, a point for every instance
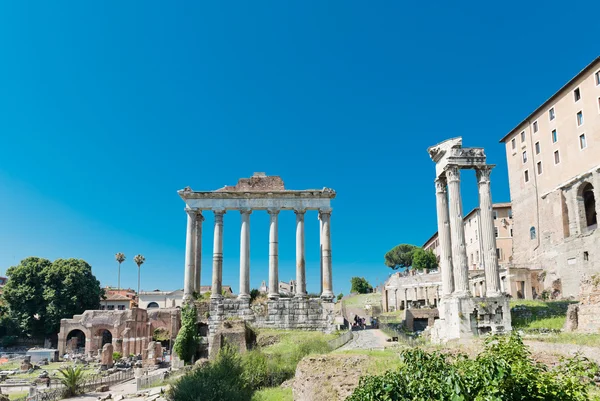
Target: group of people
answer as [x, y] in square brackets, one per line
[359, 322]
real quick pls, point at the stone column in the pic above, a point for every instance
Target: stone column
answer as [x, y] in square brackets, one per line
[596, 185]
[321, 253]
[245, 255]
[444, 237]
[416, 294]
[300, 257]
[426, 297]
[396, 299]
[572, 212]
[198, 247]
[483, 289]
[217, 273]
[405, 302]
[273, 254]
[190, 258]
[326, 277]
[488, 237]
[457, 234]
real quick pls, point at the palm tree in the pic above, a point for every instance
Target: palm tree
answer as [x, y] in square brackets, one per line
[120, 257]
[139, 261]
[72, 379]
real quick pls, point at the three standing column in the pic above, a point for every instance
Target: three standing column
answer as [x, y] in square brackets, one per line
[190, 261]
[444, 236]
[300, 257]
[217, 273]
[245, 255]
[326, 279]
[457, 233]
[488, 238]
[273, 254]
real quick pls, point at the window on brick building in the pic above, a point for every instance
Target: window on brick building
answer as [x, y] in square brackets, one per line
[556, 157]
[535, 127]
[526, 175]
[577, 94]
[522, 136]
[554, 136]
[537, 148]
[582, 141]
[579, 118]
[551, 114]
[539, 168]
[513, 142]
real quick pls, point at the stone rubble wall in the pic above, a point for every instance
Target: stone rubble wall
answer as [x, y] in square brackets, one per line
[585, 316]
[284, 313]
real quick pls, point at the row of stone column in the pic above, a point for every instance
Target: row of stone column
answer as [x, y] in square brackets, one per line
[193, 257]
[451, 233]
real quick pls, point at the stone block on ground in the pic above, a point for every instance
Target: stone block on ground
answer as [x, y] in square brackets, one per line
[107, 355]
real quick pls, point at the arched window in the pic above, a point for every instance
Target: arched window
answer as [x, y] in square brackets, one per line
[532, 234]
[589, 204]
[152, 305]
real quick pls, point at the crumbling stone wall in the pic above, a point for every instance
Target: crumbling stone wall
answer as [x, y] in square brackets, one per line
[585, 316]
[284, 313]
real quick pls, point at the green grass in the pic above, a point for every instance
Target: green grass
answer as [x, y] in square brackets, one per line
[527, 315]
[17, 394]
[360, 300]
[590, 340]
[50, 368]
[273, 394]
[288, 340]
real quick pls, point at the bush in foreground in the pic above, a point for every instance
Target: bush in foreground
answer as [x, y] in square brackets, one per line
[504, 371]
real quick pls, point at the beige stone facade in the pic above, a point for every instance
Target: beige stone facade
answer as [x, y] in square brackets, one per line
[503, 223]
[554, 175]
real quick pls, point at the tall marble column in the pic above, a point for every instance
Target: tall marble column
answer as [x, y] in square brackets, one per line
[444, 236]
[300, 257]
[457, 234]
[405, 302]
[198, 245]
[488, 237]
[426, 297]
[326, 278]
[190, 260]
[273, 254]
[321, 252]
[217, 273]
[245, 255]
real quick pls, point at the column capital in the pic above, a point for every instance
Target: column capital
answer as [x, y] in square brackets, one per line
[199, 216]
[245, 210]
[452, 173]
[300, 211]
[483, 174]
[193, 213]
[273, 211]
[325, 210]
[219, 212]
[440, 185]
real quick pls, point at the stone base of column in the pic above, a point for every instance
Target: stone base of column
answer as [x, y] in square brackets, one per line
[302, 296]
[327, 295]
[216, 296]
[273, 296]
[243, 296]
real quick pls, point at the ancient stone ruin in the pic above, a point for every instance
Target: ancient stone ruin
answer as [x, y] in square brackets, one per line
[461, 314]
[260, 193]
[584, 317]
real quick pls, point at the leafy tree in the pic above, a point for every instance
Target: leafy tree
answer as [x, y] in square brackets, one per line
[423, 259]
[24, 295]
[70, 288]
[400, 256]
[187, 339]
[340, 296]
[139, 261]
[39, 293]
[360, 285]
[120, 258]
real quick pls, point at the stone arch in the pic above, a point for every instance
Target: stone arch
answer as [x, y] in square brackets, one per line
[587, 205]
[152, 305]
[75, 341]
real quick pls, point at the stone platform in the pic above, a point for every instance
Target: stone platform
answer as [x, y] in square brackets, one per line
[476, 316]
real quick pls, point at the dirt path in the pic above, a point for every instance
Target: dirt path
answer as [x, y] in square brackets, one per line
[366, 339]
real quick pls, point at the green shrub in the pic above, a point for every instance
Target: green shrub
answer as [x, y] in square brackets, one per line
[117, 356]
[219, 380]
[261, 370]
[504, 371]
[186, 343]
[72, 379]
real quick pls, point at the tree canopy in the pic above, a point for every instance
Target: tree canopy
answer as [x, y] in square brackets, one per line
[400, 256]
[39, 293]
[360, 285]
[423, 259]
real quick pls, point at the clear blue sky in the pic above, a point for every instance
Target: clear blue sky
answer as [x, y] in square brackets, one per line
[108, 108]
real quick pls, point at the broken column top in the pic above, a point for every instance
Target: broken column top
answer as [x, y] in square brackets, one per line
[451, 153]
[259, 182]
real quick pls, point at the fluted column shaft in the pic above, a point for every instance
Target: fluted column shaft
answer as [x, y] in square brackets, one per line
[488, 237]
[326, 278]
[190, 261]
[444, 236]
[300, 257]
[245, 255]
[273, 254]
[457, 234]
[426, 296]
[321, 252]
[405, 302]
[217, 273]
[198, 249]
